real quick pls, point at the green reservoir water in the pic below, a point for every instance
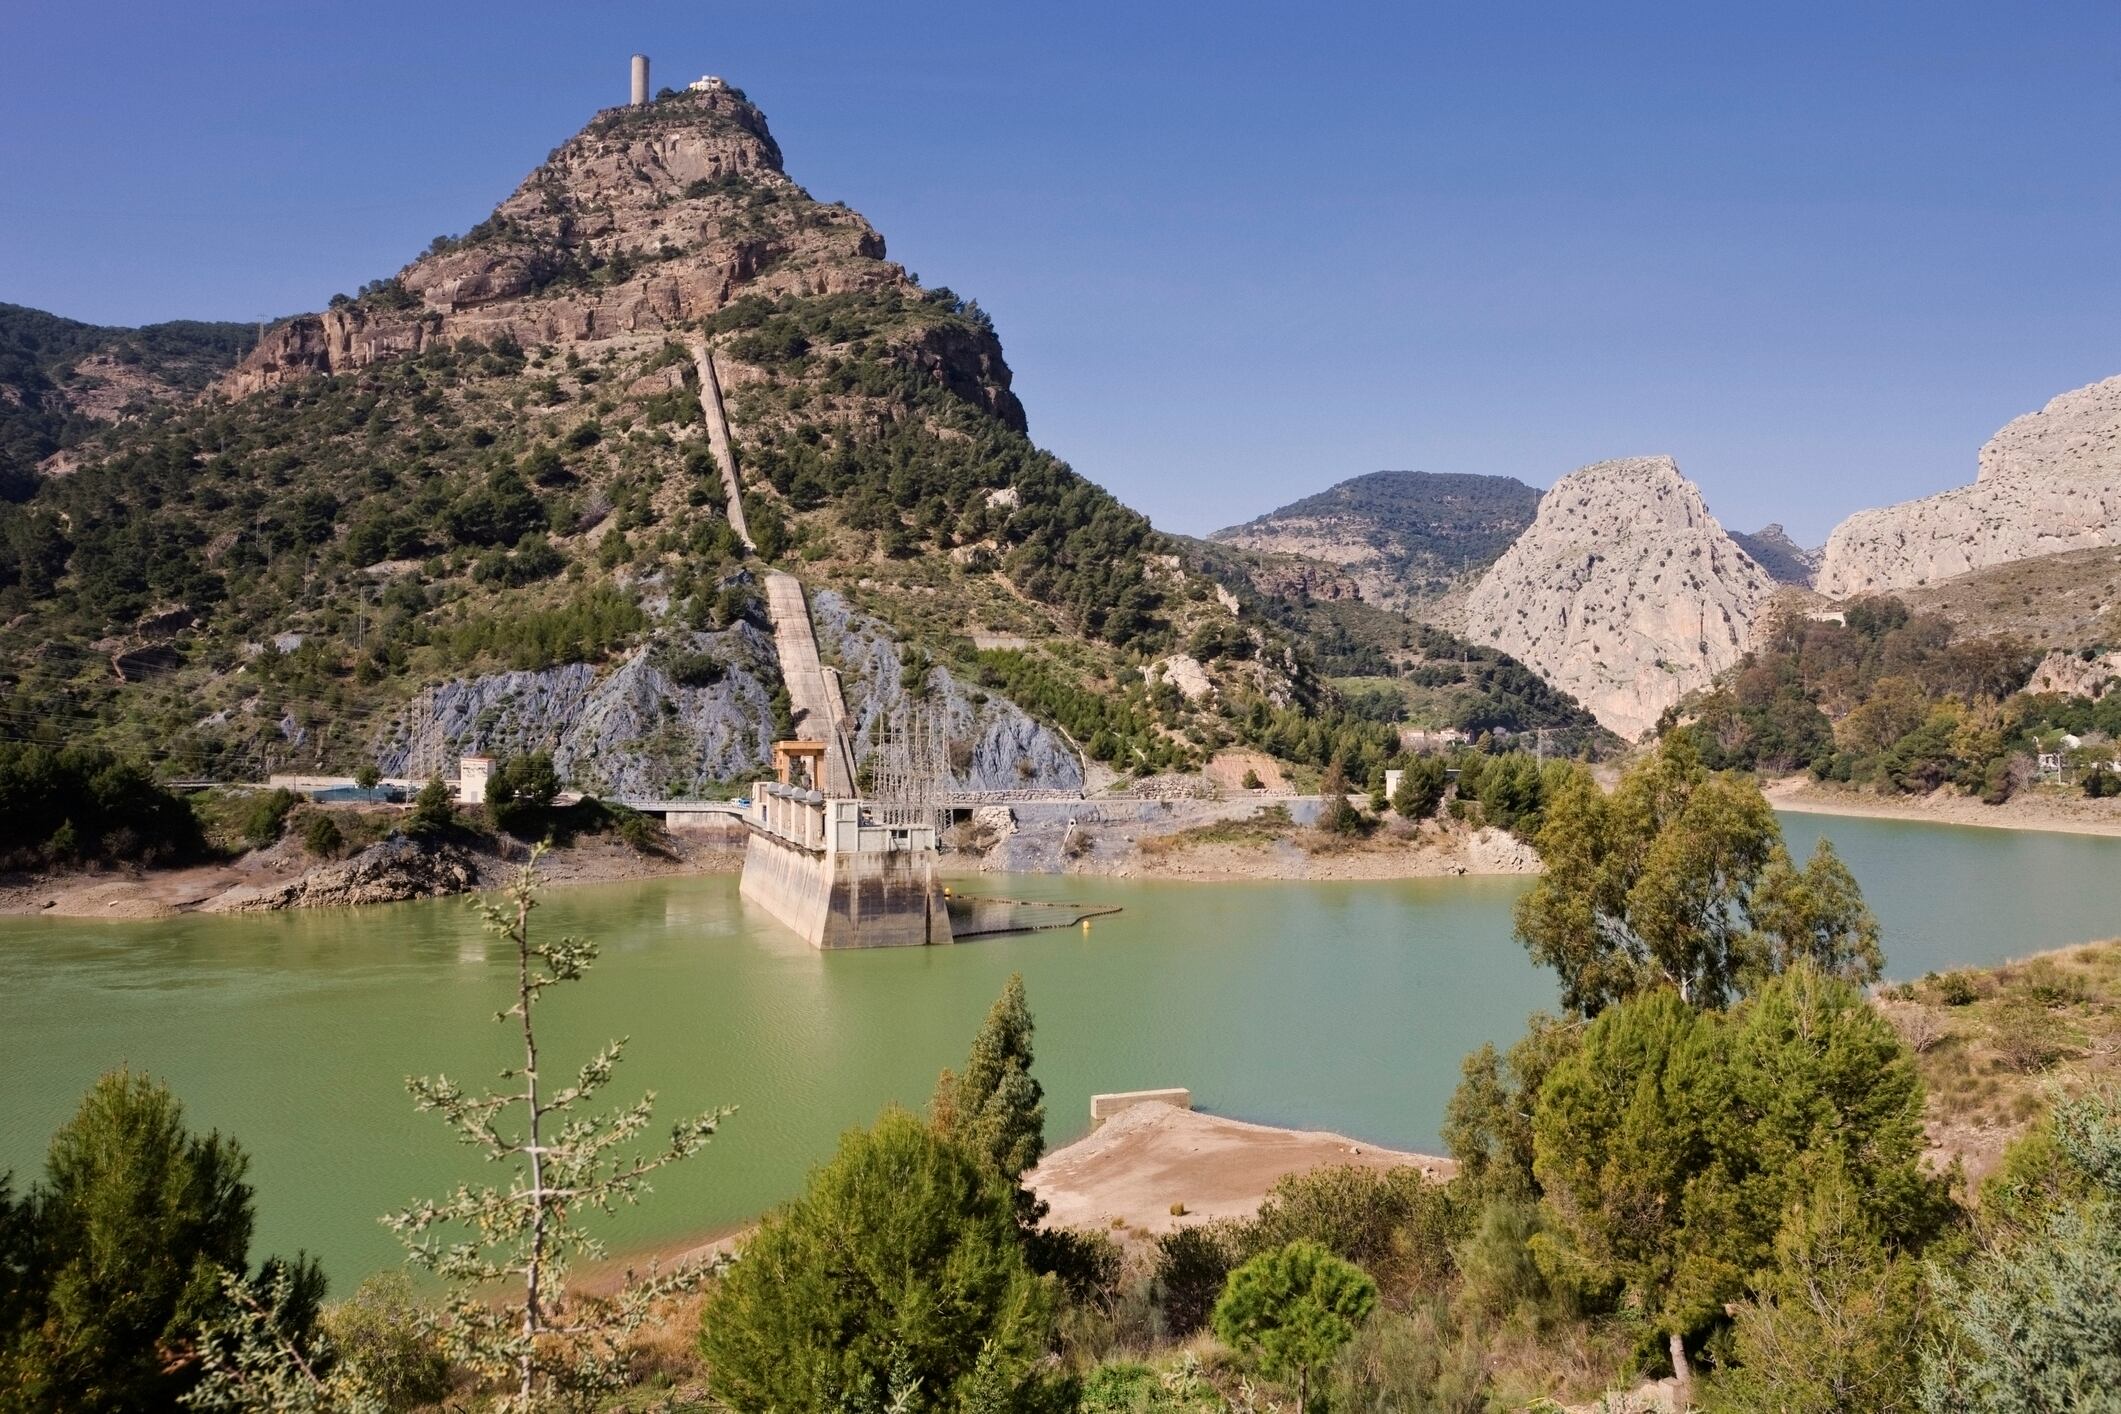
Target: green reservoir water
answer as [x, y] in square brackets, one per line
[1339, 1006]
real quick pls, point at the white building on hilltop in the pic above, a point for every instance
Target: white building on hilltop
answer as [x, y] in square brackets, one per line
[707, 83]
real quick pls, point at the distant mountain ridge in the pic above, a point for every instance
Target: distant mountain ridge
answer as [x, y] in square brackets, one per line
[1406, 538]
[61, 379]
[1779, 555]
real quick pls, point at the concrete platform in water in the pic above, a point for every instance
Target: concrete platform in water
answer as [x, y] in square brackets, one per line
[840, 878]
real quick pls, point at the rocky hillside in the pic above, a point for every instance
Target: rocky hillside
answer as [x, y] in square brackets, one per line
[1406, 539]
[2048, 482]
[1387, 664]
[472, 507]
[61, 380]
[1625, 592]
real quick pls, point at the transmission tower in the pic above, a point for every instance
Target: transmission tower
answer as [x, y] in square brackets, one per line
[912, 769]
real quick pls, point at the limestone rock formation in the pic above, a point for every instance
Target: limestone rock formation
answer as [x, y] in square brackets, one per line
[1625, 592]
[2049, 481]
[648, 219]
[2073, 674]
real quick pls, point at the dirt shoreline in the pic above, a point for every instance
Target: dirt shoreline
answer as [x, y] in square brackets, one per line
[2070, 814]
[143, 894]
[1122, 1179]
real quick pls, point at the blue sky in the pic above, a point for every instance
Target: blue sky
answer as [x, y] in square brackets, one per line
[1237, 251]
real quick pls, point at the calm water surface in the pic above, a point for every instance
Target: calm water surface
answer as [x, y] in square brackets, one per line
[1342, 1006]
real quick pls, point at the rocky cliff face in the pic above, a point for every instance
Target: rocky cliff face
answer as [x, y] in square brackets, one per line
[647, 220]
[1625, 592]
[994, 744]
[683, 713]
[2049, 481]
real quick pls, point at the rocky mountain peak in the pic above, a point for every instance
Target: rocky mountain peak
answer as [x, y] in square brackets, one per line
[1779, 554]
[648, 219]
[2049, 482]
[2077, 434]
[1624, 591]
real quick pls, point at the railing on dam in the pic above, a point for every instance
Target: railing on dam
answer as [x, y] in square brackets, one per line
[810, 820]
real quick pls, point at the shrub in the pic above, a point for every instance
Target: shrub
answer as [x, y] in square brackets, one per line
[1192, 1263]
[521, 790]
[267, 816]
[434, 811]
[321, 836]
[380, 1332]
[1295, 1308]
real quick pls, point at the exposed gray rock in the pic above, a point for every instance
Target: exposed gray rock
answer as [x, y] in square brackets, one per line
[994, 744]
[633, 733]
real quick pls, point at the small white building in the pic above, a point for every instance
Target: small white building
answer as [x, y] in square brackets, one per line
[707, 83]
[472, 775]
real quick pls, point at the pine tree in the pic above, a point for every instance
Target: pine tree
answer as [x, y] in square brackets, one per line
[995, 1109]
[1296, 1307]
[547, 1342]
[897, 1280]
[133, 1231]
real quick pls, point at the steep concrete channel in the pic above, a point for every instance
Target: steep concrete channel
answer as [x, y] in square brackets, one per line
[718, 441]
[813, 694]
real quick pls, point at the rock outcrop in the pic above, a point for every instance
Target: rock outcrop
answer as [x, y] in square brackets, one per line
[685, 712]
[390, 871]
[649, 219]
[2048, 482]
[2074, 674]
[1625, 592]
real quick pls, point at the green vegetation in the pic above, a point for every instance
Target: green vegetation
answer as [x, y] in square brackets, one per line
[39, 387]
[520, 792]
[1429, 528]
[1892, 700]
[76, 803]
[1296, 1307]
[116, 1264]
[562, 1161]
[2033, 1321]
[897, 1280]
[1680, 879]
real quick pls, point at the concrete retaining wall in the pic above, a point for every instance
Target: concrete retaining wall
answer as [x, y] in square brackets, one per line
[873, 899]
[1103, 1107]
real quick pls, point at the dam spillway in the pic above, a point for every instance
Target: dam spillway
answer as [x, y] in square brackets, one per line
[839, 878]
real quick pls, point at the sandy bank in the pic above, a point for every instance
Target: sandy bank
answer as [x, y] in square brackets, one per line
[1124, 1176]
[2055, 810]
[159, 893]
[1132, 1168]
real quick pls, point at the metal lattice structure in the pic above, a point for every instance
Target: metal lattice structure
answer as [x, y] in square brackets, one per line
[911, 770]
